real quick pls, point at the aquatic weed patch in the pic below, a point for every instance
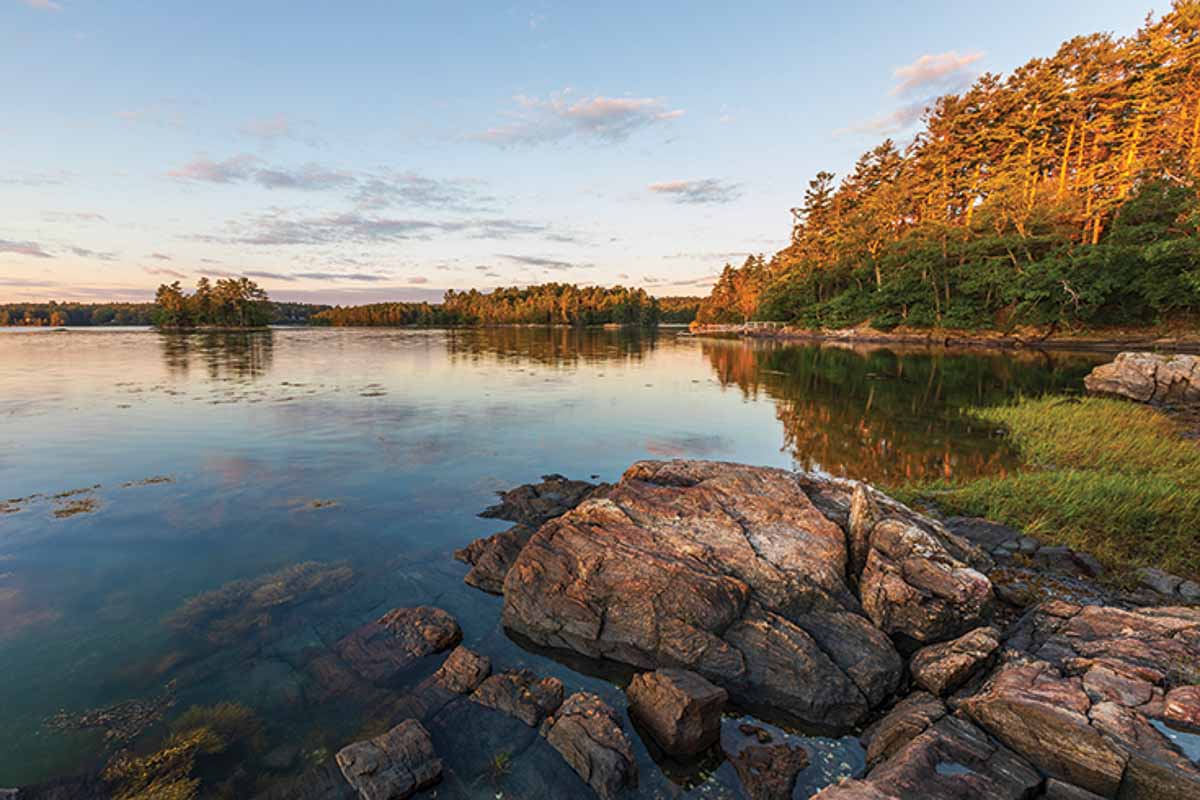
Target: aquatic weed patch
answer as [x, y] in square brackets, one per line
[1112, 478]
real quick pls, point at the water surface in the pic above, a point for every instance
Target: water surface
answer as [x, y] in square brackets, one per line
[187, 462]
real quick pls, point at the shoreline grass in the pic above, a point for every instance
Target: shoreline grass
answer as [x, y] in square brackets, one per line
[1108, 477]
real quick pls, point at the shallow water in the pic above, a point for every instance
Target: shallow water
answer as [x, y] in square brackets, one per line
[211, 458]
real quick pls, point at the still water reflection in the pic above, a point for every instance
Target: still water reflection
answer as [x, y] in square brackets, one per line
[333, 472]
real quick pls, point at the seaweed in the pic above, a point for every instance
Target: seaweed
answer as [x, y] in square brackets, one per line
[224, 615]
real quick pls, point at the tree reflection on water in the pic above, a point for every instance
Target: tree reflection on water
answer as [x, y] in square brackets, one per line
[225, 355]
[887, 415]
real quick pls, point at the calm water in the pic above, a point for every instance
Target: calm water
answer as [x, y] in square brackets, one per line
[403, 436]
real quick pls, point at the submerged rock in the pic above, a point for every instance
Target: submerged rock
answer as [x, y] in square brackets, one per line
[588, 734]
[681, 710]
[766, 767]
[381, 650]
[241, 607]
[1149, 378]
[521, 694]
[393, 766]
[745, 576]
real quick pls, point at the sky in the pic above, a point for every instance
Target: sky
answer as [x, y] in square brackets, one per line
[365, 150]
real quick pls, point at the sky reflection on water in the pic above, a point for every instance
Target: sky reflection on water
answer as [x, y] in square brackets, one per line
[405, 435]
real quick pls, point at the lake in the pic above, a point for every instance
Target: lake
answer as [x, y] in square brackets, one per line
[141, 470]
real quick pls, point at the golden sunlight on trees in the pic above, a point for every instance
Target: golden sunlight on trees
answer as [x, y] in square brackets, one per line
[1064, 195]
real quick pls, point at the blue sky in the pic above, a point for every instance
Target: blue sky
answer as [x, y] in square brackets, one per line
[369, 150]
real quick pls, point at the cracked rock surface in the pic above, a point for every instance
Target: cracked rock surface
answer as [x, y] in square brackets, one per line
[740, 575]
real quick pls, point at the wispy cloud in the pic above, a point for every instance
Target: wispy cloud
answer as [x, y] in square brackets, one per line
[703, 191]
[32, 249]
[230, 170]
[277, 126]
[368, 190]
[362, 277]
[42, 5]
[943, 71]
[309, 178]
[164, 272]
[920, 84]
[729, 255]
[160, 256]
[894, 122]
[98, 255]
[35, 178]
[72, 216]
[386, 188]
[274, 276]
[276, 228]
[544, 263]
[593, 118]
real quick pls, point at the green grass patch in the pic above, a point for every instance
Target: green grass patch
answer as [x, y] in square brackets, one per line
[1111, 478]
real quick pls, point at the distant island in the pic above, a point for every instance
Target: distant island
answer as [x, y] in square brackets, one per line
[239, 303]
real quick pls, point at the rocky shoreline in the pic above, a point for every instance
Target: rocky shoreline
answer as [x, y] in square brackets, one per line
[970, 660]
[1189, 343]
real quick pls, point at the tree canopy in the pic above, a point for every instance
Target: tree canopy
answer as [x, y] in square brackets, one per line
[1064, 194]
[231, 302]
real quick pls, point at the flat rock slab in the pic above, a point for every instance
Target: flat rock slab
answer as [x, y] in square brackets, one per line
[738, 574]
[521, 694]
[393, 766]
[681, 709]
[588, 734]
[1149, 378]
[381, 650]
[1095, 744]
[950, 760]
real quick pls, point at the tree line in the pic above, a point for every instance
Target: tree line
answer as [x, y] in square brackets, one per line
[54, 314]
[544, 304]
[241, 303]
[1062, 195]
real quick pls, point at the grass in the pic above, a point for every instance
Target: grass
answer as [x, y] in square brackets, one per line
[1107, 477]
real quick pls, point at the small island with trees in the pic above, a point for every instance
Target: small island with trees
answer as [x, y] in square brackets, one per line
[237, 303]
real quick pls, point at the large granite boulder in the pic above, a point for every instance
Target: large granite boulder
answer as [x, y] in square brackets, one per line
[1087, 709]
[744, 575]
[1149, 378]
[681, 709]
[588, 734]
[385, 648]
[393, 766]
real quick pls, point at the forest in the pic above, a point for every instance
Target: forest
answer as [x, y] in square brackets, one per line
[1063, 196]
[544, 304]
